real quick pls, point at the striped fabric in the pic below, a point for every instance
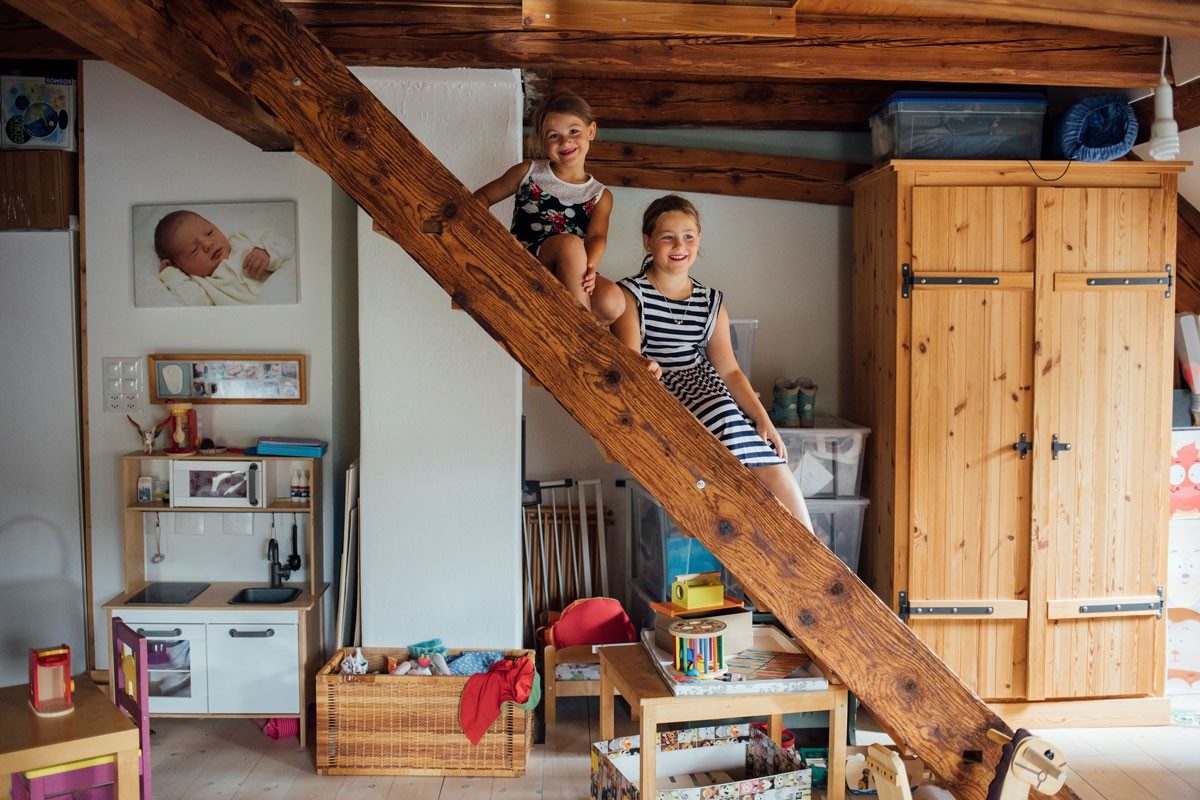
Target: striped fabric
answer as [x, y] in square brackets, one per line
[675, 334]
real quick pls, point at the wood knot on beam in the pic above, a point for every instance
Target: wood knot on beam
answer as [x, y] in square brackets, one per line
[910, 688]
[725, 528]
[351, 106]
[807, 619]
[612, 379]
[461, 299]
[837, 589]
[449, 211]
[244, 71]
[350, 139]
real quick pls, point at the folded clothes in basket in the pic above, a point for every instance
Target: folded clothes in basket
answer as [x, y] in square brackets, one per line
[475, 662]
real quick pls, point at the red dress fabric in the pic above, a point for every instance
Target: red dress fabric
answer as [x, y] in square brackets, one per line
[508, 679]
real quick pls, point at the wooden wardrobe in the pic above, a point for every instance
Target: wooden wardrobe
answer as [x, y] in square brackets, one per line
[1013, 328]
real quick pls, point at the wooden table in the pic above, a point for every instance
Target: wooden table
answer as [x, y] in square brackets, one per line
[628, 669]
[95, 728]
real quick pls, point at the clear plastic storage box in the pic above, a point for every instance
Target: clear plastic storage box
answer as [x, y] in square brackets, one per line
[661, 551]
[838, 524]
[940, 125]
[827, 458]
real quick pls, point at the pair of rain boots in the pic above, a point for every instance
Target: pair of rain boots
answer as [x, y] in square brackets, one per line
[795, 402]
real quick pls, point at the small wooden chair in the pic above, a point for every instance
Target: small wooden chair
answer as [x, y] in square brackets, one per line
[131, 692]
[552, 657]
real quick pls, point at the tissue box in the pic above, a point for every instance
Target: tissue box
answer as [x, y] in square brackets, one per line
[38, 113]
[693, 764]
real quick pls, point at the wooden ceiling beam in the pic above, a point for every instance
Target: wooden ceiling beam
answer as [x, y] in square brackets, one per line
[136, 36]
[23, 38]
[626, 17]
[679, 169]
[1150, 17]
[1187, 109]
[387, 33]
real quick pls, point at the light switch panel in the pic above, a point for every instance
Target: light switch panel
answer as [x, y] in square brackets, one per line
[124, 384]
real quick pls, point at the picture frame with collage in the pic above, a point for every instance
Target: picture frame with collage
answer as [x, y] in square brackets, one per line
[228, 378]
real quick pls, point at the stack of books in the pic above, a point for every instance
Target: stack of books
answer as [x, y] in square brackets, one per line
[291, 446]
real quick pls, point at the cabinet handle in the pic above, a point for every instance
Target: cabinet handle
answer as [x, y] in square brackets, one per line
[1056, 447]
[1023, 446]
[172, 632]
[235, 633]
[253, 481]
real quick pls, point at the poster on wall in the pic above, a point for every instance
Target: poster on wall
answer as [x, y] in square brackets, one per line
[215, 254]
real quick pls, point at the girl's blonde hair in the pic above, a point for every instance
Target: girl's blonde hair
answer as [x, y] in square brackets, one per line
[665, 205]
[563, 101]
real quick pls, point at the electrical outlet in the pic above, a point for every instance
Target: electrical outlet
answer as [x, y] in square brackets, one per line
[112, 403]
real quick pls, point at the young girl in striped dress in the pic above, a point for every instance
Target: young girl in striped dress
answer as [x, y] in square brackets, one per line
[682, 325]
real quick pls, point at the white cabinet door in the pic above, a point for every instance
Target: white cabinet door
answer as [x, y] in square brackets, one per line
[175, 664]
[253, 669]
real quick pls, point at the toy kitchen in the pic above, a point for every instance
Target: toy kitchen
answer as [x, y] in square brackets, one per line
[220, 579]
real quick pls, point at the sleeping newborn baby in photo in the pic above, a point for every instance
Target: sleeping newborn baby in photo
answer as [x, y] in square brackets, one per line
[200, 266]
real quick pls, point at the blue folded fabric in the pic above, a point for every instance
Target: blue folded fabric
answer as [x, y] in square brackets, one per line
[1097, 128]
[426, 648]
[475, 661]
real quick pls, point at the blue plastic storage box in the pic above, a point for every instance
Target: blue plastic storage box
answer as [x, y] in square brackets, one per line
[945, 125]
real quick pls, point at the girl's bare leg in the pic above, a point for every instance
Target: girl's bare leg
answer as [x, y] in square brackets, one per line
[779, 479]
[608, 301]
[565, 257]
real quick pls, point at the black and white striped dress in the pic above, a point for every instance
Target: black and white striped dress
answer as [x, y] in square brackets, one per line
[675, 333]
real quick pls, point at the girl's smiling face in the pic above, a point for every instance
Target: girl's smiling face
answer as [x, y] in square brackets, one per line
[675, 242]
[567, 138]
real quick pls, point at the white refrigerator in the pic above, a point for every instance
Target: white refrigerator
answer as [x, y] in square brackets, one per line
[41, 547]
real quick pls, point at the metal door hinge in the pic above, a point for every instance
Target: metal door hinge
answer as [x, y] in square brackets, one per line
[908, 279]
[907, 610]
[1112, 608]
[1023, 446]
[1057, 447]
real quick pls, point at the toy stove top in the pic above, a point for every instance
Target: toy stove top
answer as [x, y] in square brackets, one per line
[168, 593]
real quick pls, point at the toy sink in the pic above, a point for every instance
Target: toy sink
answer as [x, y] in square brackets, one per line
[266, 595]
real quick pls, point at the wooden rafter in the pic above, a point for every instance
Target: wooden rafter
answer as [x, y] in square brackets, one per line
[391, 33]
[23, 38]
[678, 169]
[420, 204]
[658, 19]
[1152, 17]
[1187, 297]
[396, 33]
[135, 36]
[1187, 109]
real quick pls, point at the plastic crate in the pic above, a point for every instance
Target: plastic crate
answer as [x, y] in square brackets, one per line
[741, 335]
[838, 524]
[827, 458]
[945, 125]
[660, 550]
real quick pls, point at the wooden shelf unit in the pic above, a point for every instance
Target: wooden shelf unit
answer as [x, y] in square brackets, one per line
[134, 539]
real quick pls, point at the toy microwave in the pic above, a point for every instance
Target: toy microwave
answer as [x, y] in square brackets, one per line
[197, 483]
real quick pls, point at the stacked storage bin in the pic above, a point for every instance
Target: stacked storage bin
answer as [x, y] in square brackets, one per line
[827, 462]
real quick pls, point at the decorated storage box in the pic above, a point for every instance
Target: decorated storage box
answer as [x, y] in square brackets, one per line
[734, 762]
[38, 113]
[409, 725]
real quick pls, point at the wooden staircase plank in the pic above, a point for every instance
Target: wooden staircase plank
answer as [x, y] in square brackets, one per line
[349, 133]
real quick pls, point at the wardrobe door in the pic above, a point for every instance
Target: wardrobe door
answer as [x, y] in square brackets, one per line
[1103, 380]
[971, 401]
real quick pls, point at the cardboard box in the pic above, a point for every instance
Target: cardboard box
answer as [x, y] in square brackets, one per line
[689, 762]
[739, 633]
[38, 113]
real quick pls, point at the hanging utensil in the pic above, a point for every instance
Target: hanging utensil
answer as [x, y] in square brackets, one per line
[158, 556]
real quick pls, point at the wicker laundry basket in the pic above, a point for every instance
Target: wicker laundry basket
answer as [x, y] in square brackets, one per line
[408, 725]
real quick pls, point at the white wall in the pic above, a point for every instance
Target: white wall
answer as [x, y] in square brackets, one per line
[143, 147]
[440, 400]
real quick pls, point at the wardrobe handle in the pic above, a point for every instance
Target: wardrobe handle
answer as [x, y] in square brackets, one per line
[1023, 446]
[1057, 447]
[235, 633]
[172, 632]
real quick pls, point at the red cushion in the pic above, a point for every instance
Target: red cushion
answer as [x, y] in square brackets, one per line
[592, 620]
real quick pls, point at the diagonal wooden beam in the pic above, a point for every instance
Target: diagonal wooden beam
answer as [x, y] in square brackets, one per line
[1153, 17]
[389, 33]
[135, 36]
[1187, 109]
[659, 18]
[680, 169]
[347, 131]
[23, 38]
[1187, 273]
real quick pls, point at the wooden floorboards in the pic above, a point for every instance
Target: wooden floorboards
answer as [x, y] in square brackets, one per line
[229, 759]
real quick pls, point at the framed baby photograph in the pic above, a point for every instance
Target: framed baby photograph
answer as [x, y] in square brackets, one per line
[228, 378]
[215, 254]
